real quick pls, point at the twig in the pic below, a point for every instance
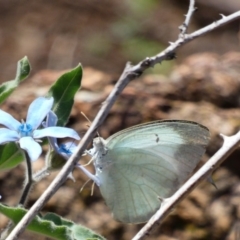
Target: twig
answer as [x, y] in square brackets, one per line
[129, 73]
[184, 27]
[229, 145]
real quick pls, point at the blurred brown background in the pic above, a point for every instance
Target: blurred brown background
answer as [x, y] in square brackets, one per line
[104, 34]
[202, 84]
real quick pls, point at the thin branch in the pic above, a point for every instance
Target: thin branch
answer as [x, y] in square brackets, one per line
[187, 38]
[184, 27]
[129, 73]
[214, 25]
[229, 145]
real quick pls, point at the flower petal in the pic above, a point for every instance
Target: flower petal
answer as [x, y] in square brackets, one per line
[7, 120]
[31, 147]
[51, 119]
[70, 146]
[57, 132]
[7, 135]
[38, 110]
[50, 122]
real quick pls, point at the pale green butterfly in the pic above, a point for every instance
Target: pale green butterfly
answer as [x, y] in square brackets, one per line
[136, 166]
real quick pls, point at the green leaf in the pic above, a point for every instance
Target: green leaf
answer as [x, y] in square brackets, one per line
[63, 92]
[23, 69]
[10, 156]
[51, 225]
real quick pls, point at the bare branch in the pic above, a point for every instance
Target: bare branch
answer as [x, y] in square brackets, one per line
[214, 25]
[184, 27]
[130, 72]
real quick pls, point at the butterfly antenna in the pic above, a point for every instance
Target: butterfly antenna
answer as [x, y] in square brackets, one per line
[89, 121]
[92, 188]
[90, 161]
[84, 185]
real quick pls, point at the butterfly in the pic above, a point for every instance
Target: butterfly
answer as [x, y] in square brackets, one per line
[137, 166]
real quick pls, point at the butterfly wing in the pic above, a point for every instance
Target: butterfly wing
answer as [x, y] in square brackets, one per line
[146, 162]
[132, 184]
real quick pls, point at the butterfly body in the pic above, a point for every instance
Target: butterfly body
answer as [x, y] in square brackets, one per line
[138, 165]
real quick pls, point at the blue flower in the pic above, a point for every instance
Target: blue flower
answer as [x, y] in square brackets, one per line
[26, 133]
[66, 149]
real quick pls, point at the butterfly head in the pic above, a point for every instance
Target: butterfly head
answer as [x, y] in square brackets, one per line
[99, 145]
[100, 151]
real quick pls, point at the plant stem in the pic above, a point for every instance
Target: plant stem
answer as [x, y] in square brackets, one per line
[40, 174]
[29, 180]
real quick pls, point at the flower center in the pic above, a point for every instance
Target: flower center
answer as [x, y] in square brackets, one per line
[63, 149]
[25, 130]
